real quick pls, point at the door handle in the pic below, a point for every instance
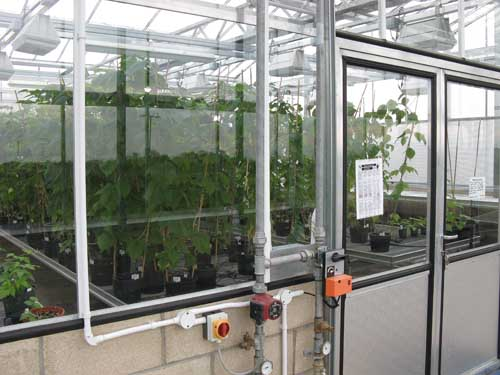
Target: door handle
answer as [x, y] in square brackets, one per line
[450, 237]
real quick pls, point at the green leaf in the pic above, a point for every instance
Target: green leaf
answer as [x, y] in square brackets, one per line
[410, 153]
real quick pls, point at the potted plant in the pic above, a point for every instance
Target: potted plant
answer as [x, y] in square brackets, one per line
[36, 311]
[413, 225]
[380, 242]
[402, 225]
[16, 283]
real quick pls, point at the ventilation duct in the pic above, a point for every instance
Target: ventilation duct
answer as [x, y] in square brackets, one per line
[433, 34]
[6, 68]
[38, 36]
[289, 64]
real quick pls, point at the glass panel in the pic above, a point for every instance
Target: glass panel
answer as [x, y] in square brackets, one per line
[388, 123]
[36, 174]
[472, 167]
[170, 155]
[292, 70]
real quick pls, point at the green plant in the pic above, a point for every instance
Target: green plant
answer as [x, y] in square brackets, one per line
[16, 274]
[456, 220]
[27, 315]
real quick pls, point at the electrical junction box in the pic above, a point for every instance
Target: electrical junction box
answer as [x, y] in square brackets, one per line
[217, 327]
[337, 286]
[265, 307]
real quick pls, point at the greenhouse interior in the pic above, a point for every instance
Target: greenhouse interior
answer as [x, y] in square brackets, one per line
[250, 187]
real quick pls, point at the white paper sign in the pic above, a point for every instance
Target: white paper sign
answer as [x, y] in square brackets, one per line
[477, 187]
[369, 188]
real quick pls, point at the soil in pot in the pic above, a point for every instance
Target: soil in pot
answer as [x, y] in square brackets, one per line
[180, 283]
[127, 287]
[14, 306]
[246, 264]
[380, 242]
[153, 280]
[206, 276]
[359, 234]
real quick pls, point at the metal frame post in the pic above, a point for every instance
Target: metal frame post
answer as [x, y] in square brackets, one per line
[438, 220]
[461, 28]
[382, 19]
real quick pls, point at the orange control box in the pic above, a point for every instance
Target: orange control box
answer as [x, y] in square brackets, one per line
[338, 285]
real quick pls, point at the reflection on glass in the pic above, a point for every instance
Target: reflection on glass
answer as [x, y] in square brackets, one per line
[36, 179]
[292, 126]
[171, 168]
[472, 167]
[387, 120]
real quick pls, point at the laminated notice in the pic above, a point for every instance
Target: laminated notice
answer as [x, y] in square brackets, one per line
[369, 188]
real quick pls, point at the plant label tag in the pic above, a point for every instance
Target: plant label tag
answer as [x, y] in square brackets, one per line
[91, 261]
[135, 276]
[369, 188]
[176, 279]
[477, 187]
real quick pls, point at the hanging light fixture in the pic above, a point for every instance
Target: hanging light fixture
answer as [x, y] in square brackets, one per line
[289, 64]
[6, 68]
[37, 37]
[433, 34]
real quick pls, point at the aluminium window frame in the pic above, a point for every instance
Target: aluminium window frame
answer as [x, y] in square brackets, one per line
[284, 276]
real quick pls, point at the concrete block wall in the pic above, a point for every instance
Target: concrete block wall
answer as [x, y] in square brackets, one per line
[165, 351]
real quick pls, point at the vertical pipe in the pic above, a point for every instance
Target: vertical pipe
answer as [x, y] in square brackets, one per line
[79, 159]
[262, 147]
[461, 28]
[262, 199]
[284, 339]
[382, 19]
[319, 235]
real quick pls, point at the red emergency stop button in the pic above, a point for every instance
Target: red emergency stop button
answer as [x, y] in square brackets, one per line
[221, 329]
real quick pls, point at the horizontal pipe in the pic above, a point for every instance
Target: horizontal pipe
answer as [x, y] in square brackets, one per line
[303, 256]
[222, 306]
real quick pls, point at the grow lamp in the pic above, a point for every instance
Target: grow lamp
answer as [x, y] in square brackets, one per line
[289, 64]
[196, 82]
[432, 34]
[38, 36]
[6, 68]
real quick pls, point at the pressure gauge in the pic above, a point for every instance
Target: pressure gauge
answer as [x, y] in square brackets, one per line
[326, 348]
[266, 368]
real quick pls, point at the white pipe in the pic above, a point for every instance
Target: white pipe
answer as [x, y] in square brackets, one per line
[286, 296]
[222, 306]
[79, 169]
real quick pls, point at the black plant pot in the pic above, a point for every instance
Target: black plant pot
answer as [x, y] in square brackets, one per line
[123, 262]
[403, 233]
[283, 228]
[246, 264]
[414, 232]
[358, 234]
[36, 241]
[423, 231]
[101, 268]
[127, 287]
[153, 281]
[14, 306]
[180, 283]
[238, 245]
[50, 247]
[206, 276]
[66, 258]
[4, 220]
[203, 259]
[380, 242]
